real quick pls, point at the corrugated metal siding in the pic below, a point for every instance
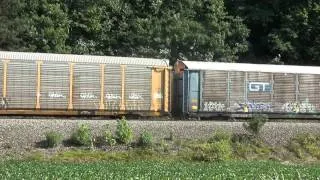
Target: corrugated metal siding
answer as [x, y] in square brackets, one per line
[112, 87]
[21, 90]
[237, 90]
[54, 86]
[214, 91]
[262, 95]
[309, 93]
[1, 79]
[86, 90]
[284, 91]
[137, 88]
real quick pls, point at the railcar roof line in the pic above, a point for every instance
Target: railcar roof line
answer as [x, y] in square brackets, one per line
[246, 67]
[29, 56]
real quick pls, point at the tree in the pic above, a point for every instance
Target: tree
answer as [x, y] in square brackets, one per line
[277, 27]
[34, 25]
[298, 37]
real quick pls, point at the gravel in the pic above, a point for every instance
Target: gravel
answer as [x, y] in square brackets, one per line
[20, 135]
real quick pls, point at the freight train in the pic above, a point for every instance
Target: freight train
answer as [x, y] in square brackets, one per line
[73, 85]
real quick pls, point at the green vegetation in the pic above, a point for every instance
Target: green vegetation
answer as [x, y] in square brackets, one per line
[145, 139]
[53, 139]
[124, 133]
[255, 124]
[82, 136]
[155, 170]
[108, 137]
[305, 145]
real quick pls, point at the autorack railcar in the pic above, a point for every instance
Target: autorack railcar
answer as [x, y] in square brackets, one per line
[205, 89]
[65, 84]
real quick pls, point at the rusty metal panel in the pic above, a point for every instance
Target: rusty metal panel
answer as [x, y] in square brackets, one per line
[54, 85]
[21, 84]
[237, 91]
[138, 88]
[284, 90]
[112, 87]
[214, 91]
[86, 87]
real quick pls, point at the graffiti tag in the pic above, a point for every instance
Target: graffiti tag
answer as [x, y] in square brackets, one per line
[4, 103]
[113, 96]
[87, 95]
[135, 96]
[214, 106]
[54, 94]
[254, 106]
[304, 107]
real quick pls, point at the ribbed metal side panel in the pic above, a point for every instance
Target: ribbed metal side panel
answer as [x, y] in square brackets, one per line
[86, 91]
[260, 81]
[214, 91]
[284, 91]
[21, 90]
[112, 87]
[237, 90]
[138, 88]
[1, 78]
[309, 88]
[309, 92]
[54, 86]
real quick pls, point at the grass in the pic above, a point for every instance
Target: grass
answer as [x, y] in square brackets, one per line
[156, 170]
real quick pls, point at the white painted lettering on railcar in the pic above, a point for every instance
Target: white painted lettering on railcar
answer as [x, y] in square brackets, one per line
[259, 87]
[53, 94]
[113, 96]
[87, 95]
[135, 96]
[214, 106]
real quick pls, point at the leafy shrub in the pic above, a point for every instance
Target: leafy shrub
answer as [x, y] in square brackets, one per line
[220, 135]
[145, 139]
[216, 151]
[82, 136]
[304, 144]
[222, 150]
[108, 137]
[53, 139]
[124, 133]
[242, 150]
[255, 124]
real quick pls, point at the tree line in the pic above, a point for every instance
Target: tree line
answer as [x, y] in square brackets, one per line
[267, 31]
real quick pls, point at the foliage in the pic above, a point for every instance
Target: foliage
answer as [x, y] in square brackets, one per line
[124, 133]
[145, 139]
[53, 139]
[215, 151]
[220, 135]
[156, 170]
[108, 137]
[286, 28]
[255, 124]
[305, 144]
[196, 30]
[82, 136]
